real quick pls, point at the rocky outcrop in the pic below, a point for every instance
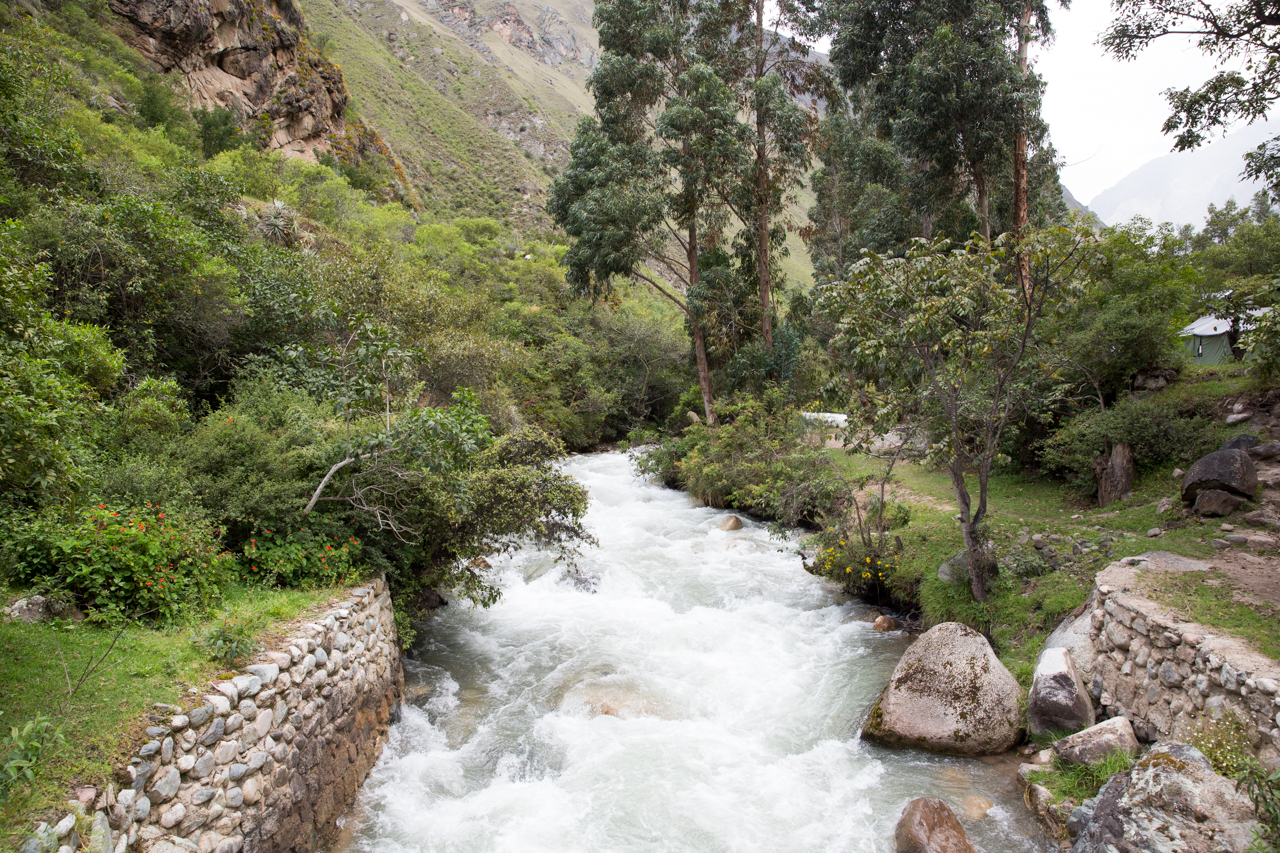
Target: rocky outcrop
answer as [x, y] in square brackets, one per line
[928, 826]
[1094, 744]
[1059, 699]
[1171, 800]
[949, 693]
[249, 56]
[1225, 470]
[267, 761]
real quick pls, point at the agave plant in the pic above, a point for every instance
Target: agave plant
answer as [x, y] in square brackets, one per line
[278, 224]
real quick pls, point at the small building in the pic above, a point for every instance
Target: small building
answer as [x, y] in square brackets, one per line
[1208, 339]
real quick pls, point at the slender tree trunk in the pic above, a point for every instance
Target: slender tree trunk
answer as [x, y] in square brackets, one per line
[762, 191]
[926, 226]
[1021, 215]
[984, 203]
[699, 337]
[979, 557]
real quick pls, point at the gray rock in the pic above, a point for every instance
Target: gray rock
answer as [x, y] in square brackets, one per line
[166, 750]
[1216, 502]
[199, 716]
[1236, 539]
[204, 795]
[236, 772]
[1059, 699]
[204, 766]
[141, 808]
[151, 747]
[235, 798]
[1220, 544]
[214, 732]
[246, 685]
[948, 693]
[955, 569]
[1270, 450]
[1081, 816]
[266, 672]
[142, 774]
[1226, 470]
[166, 785]
[233, 724]
[1243, 441]
[100, 839]
[1170, 800]
[1075, 635]
[1154, 532]
[1238, 418]
[1097, 742]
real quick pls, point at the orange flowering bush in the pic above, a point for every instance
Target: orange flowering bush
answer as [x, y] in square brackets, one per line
[136, 563]
[302, 557]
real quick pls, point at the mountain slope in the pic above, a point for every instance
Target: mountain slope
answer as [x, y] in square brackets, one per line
[1179, 187]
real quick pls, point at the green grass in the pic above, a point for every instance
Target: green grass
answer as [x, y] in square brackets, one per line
[104, 720]
[1080, 782]
[1209, 599]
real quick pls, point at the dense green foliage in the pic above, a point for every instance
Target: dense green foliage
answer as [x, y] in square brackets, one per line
[219, 364]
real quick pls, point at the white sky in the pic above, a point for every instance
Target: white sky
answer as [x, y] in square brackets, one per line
[1104, 115]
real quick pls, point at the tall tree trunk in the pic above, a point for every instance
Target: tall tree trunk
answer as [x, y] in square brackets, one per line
[1021, 216]
[762, 192]
[926, 226]
[984, 203]
[699, 337]
[981, 565]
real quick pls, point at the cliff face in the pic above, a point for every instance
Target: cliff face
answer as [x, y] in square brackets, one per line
[250, 57]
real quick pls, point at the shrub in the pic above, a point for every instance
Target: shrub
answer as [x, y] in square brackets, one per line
[1225, 742]
[22, 750]
[137, 563]
[1158, 430]
[229, 642]
[304, 558]
[1264, 790]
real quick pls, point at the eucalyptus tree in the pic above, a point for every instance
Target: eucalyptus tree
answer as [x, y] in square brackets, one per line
[1242, 37]
[644, 191]
[944, 80]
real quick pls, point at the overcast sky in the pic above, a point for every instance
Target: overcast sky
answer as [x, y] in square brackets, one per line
[1104, 115]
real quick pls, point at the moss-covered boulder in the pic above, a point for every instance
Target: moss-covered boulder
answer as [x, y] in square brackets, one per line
[949, 693]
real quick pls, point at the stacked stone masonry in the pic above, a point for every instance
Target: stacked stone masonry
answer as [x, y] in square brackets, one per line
[271, 758]
[1166, 675]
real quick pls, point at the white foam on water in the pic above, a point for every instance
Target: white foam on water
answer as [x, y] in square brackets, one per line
[705, 697]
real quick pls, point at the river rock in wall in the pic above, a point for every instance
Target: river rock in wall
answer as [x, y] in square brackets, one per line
[1058, 699]
[949, 693]
[1170, 800]
[1095, 743]
[928, 826]
[1227, 470]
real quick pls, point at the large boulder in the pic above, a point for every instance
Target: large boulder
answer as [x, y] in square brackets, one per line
[928, 826]
[1075, 634]
[1170, 800]
[1095, 743]
[1216, 502]
[1227, 470]
[1059, 699]
[949, 693]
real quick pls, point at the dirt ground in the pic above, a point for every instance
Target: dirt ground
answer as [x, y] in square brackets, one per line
[1255, 577]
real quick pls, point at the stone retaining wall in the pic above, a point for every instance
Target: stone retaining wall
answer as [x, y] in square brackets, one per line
[1165, 674]
[271, 758]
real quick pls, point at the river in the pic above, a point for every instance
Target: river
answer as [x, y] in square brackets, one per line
[705, 696]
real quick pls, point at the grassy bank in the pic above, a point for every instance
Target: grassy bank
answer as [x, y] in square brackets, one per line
[117, 676]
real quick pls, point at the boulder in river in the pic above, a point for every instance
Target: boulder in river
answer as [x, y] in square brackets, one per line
[886, 623]
[731, 522]
[1059, 699]
[1228, 470]
[1170, 800]
[928, 826]
[949, 693]
[1095, 743]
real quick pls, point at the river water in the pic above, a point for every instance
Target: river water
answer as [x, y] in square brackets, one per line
[704, 697]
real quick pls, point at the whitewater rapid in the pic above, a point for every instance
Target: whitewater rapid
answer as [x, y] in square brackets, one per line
[705, 697]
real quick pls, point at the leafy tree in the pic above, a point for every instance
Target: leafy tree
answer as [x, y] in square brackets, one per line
[1127, 315]
[945, 82]
[947, 344]
[646, 176]
[1242, 37]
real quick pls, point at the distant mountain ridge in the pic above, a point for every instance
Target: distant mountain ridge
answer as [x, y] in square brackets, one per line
[1179, 187]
